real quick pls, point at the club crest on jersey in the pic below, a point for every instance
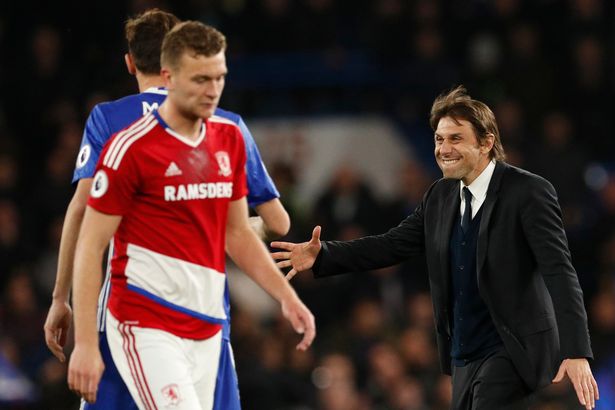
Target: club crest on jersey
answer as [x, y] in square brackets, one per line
[100, 184]
[171, 395]
[84, 155]
[172, 170]
[224, 163]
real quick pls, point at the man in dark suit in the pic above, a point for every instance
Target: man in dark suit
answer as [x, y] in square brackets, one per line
[508, 306]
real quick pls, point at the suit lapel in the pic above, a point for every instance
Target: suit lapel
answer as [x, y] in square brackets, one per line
[490, 200]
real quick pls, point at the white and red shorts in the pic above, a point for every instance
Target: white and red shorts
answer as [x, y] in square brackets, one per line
[162, 370]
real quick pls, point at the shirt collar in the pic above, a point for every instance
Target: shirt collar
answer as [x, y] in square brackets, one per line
[156, 90]
[479, 186]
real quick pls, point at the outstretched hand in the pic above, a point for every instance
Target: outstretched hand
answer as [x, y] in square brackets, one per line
[580, 374]
[299, 256]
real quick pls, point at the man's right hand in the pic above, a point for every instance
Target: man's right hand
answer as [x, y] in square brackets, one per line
[299, 256]
[56, 327]
[301, 320]
[85, 370]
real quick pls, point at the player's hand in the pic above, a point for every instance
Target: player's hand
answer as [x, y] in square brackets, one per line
[56, 327]
[580, 374]
[85, 369]
[299, 256]
[301, 319]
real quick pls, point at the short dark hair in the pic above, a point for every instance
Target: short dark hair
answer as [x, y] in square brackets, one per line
[193, 37]
[144, 34]
[458, 105]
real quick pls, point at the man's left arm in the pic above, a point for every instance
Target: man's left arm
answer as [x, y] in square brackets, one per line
[542, 223]
[251, 256]
[272, 221]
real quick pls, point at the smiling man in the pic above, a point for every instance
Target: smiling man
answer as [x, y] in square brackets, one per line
[508, 306]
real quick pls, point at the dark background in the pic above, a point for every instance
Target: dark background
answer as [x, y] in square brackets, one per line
[544, 66]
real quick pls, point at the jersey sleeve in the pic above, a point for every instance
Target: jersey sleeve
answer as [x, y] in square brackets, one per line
[114, 184]
[240, 183]
[95, 135]
[260, 186]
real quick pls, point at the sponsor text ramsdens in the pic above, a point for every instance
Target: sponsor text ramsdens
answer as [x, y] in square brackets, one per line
[184, 192]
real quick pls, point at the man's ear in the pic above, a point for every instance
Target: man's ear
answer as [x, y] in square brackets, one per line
[165, 73]
[488, 142]
[130, 64]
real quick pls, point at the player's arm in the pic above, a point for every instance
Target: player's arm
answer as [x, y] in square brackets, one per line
[250, 254]
[86, 366]
[272, 221]
[60, 314]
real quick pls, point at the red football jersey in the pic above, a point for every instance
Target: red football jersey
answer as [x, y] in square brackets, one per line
[173, 194]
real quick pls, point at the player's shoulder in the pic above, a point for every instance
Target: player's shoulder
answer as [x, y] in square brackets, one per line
[128, 140]
[107, 106]
[225, 124]
[153, 97]
[228, 116]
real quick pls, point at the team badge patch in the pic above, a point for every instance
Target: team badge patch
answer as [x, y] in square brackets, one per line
[84, 155]
[224, 163]
[171, 395]
[100, 184]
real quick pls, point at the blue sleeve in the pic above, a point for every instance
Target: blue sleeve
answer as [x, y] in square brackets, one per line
[260, 186]
[95, 136]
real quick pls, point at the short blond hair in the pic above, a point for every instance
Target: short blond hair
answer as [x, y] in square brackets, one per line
[193, 37]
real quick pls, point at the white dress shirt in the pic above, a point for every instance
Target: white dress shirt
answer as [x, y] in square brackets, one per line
[478, 188]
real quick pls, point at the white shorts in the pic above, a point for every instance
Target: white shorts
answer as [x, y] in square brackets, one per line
[164, 371]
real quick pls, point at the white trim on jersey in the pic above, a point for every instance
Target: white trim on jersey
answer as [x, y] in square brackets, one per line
[129, 142]
[217, 118]
[112, 151]
[154, 90]
[183, 284]
[125, 138]
[103, 296]
[188, 141]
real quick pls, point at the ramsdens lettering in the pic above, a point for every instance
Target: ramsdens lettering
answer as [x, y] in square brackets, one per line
[185, 192]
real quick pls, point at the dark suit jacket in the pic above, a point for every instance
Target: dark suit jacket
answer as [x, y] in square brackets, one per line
[525, 274]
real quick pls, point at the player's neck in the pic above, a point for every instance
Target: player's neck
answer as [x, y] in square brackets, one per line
[148, 81]
[180, 123]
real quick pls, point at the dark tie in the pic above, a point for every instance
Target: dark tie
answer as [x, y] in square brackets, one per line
[467, 213]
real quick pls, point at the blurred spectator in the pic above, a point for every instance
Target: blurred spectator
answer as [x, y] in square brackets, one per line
[526, 71]
[334, 376]
[347, 201]
[11, 251]
[559, 159]
[21, 306]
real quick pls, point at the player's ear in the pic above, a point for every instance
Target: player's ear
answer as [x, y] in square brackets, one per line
[165, 73]
[130, 65]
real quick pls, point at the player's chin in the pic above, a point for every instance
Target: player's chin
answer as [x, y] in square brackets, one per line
[207, 110]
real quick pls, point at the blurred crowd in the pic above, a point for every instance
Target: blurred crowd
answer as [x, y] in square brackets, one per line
[544, 66]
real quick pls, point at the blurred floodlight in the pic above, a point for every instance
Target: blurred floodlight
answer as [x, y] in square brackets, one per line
[596, 176]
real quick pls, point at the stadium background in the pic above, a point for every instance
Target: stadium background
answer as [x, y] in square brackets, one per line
[545, 66]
